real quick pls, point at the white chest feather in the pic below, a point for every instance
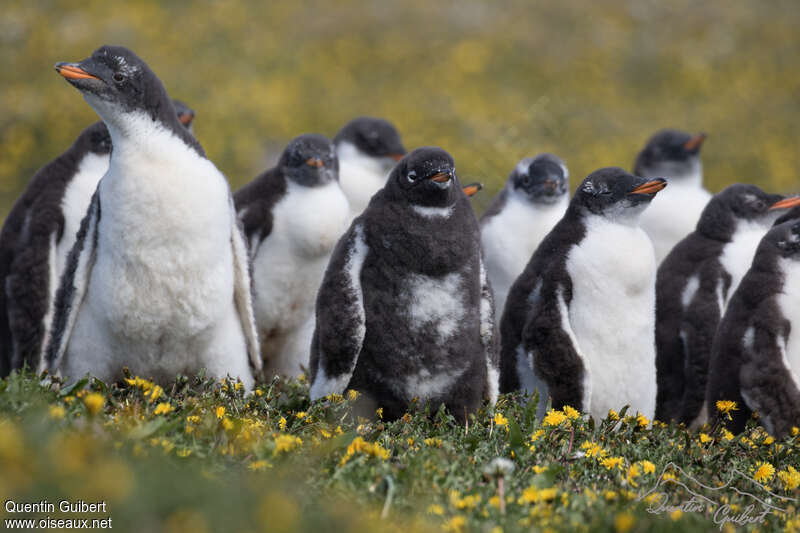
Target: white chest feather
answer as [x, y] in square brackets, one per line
[612, 314]
[436, 301]
[789, 304]
[673, 214]
[75, 202]
[738, 254]
[510, 238]
[360, 176]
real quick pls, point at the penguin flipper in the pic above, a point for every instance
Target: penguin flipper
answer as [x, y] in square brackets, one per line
[72, 287]
[341, 320]
[242, 294]
[489, 337]
[557, 357]
[768, 384]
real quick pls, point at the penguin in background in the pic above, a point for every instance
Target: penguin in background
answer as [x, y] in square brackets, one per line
[755, 360]
[674, 155]
[292, 216]
[532, 202]
[157, 280]
[693, 286]
[579, 322]
[368, 148]
[38, 234]
[405, 308]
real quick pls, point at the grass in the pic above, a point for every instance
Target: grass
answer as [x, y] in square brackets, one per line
[203, 456]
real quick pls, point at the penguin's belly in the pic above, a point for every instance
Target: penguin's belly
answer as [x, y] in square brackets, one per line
[360, 181]
[612, 314]
[672, 215]
[737, 255]
[312, 219]
[789, 305]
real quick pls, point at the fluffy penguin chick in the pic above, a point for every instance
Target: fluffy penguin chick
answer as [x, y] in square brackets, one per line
[292, 216]
[405, 308]
[756, 356]
[367, 148]
[158, 278]
[533, 200]
[38, 234]
[693, 285]
[674, 155]
[579, 323]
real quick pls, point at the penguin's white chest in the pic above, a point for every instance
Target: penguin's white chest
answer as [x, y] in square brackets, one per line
[612, 314]
[673, 214]
[510, 238]
[289, 264]
[737, 255]
[360, 177]
[789, 305]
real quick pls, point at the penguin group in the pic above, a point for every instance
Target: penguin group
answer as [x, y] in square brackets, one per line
[364, 265]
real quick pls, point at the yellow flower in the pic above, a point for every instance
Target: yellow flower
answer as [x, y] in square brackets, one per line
[282, 423]
[359, 445]
[94, 402]
[256, 466]
[434, 442]
[435, 509]
[163, 408]
[764, 472]
[610, 495]
[467, 502]
[238, 386]
[455, 524]
[500, 420]
[539, 469]
[258, 392]
[623, 522]
[769, 440]
[300, 415]
[220, 411]
[676, 515]
[648, 467]
[554, 418]
[301, 378]
[725, 407]
[642, 420]
[155, 393]
[727, 435]
[705, 438]
[184, 452]
[193, 419]
[571, 413]
[612, 462]
[57, 412]
[633, 473]
[379, 412]
[227, 424]
[790, 478]
[286, 443]
[325, 433]
[795, 431]
[613, 415]
[593, 449]
[352, 395]
[536, 435]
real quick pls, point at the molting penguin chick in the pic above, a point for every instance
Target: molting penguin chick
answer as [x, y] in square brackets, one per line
[674, 155]
[158, 277]
[367, 148]
[37, 236]
[693, 286]
[292, 216]
[755, 360]
[405, 308]
[579, 321]
[533, 200]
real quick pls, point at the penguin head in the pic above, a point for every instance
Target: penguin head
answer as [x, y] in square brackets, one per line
[748, 202]
[784, 239]
[97, 139]
[185, 114]
[613, 193]
[542, 179]
[116, 83]
[371, 137]
[310, 160]
[425, 177]
[671, 153]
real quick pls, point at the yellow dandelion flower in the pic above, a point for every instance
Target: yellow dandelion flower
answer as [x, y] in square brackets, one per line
[642, 421]
[725, 407]
[648, 467]
[282, 423]
[300, 415]
[69, 399]
[537, 435]
[379, 412]
[258, 392]
[256, 466]
[238, 386]
[184, 452]
[623, 522]
[220, 411]
[613, 415]
[155, 394]
[610, 495]
[353, 395]
[676, 515]
[554, 418]
[795, 431]
[705, 438]
[539, 469]
[571, 413]
[790, 478]
[612, 462]
[301, 378]
[227, 424]
[359, 445]
[325, 433]
[727, 435]
[764, 472]
[633, 473]
[435, 509]
[500, 420]
[193, 419]
[286, 443]
[669, 475]
[434, 442]
[163, 408]
[57, 412]
[455, 524]
[468, 502]
[94, 402]
[769, 440]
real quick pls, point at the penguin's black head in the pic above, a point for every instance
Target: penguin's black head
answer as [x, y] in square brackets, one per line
[671, 153]
[97, 138]
[114, 81]
[310, 160]
[371, 137]
[426, 177]
[614, 193]
[785, 239]
[543, 179]
[185, 114]
[748, 202]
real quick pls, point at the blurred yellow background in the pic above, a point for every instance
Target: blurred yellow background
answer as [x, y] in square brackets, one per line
[489, 81]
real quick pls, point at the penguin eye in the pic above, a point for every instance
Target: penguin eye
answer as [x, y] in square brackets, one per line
[526, 180]
[118, 77]
[412, 176]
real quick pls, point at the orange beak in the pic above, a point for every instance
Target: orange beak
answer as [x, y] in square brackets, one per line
[397, 157]
[695, 142]
[650, 187]
[74, 73]
[472, 188]
[441, 177]
[786, 203]
[185, 118]
[314, 162]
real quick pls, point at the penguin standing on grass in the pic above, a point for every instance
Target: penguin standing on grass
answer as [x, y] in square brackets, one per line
[755, 360]
[157, 280]
[292, 216]
[579, 322]
[37, 236]
[405, 308]
[533, 200]
[693, 286]
[674, 155]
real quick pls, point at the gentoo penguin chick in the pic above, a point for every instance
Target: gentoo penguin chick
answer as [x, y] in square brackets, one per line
[674, 155]
[405, 308]
[533, 200]
[158, 278]
[579, 322]
[693, 285]
[292, 216]
[756, 356]
[37, 236]
[367, 148]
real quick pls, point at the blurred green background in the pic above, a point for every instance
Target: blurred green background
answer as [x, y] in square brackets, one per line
[489, 81]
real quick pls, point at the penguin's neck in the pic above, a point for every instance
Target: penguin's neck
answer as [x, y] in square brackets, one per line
[692, 179]
[138, 139]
